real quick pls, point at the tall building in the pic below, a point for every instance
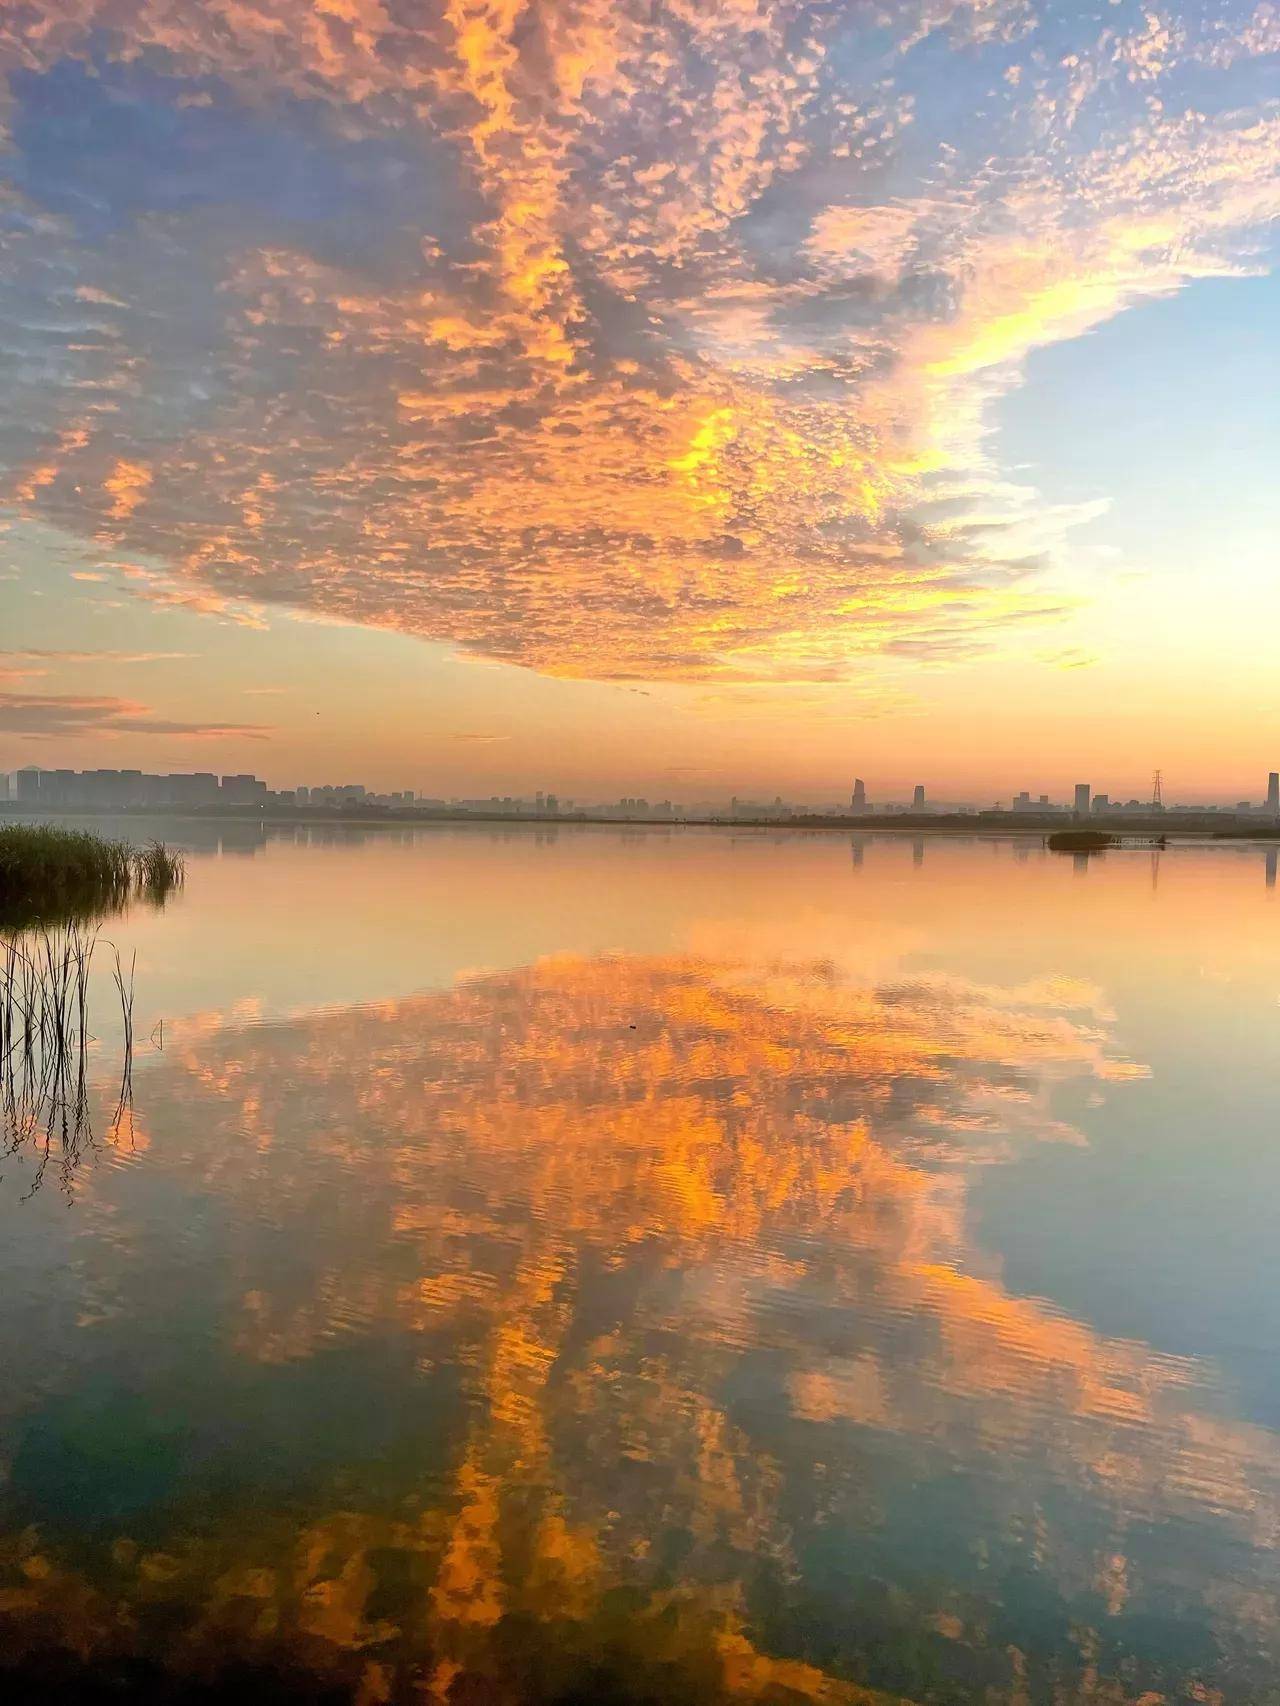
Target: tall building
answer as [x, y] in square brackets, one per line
[244, 790]
[1083, 791]
[1273, 793]
[917, 798]
[859, 794]
[197, 789]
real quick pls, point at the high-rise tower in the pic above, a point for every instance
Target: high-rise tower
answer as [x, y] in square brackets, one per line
[859, 794]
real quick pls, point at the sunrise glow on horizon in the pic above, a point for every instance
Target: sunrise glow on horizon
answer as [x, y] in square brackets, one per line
[681, 399]
[639, 852]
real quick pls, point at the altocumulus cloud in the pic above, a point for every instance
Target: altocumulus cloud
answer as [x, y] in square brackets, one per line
[603, 338]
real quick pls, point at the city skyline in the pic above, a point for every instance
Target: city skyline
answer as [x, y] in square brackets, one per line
[106, 789]
[675, 399]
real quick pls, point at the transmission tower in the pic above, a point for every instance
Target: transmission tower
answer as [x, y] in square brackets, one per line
[1157, 795]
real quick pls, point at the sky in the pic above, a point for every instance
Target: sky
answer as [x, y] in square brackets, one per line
[677, 397]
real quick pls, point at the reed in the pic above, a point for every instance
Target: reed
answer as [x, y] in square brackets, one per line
[156, 870]
[50, 875]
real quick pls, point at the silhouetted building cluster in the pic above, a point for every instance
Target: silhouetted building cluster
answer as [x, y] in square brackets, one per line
[1099, 805]
[920, 803]
[133, 790]
[347, 793]
[758, 809]
[630, 806]
[505, 805]
[1084, 803]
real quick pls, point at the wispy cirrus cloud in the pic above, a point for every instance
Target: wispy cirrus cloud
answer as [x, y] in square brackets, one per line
[60, 714]
[36, 663]
[1068, 657]
[607, 340]
[41, 655]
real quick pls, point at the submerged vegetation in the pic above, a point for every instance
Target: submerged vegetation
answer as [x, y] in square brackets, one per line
[45, 1041]
[50, 875]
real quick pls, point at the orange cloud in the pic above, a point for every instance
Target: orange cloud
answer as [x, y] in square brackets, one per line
[127, 485]
[664, 375]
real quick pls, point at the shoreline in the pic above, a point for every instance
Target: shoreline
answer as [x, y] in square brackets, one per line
[1214, 827]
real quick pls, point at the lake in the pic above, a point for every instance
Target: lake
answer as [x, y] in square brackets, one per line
[619, 1265]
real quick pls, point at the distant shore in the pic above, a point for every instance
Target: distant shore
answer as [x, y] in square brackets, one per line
[1172, 824]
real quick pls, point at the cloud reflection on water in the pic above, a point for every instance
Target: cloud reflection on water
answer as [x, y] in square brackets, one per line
[665, 1270]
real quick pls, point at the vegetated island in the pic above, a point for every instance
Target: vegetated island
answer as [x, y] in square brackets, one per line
[50, 875]
[1097, 840]
[1081, 841]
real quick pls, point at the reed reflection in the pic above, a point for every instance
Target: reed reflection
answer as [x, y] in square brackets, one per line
[46, 1101]
[689, 1376]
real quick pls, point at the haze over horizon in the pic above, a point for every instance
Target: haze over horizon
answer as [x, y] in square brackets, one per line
[617, 398]
[525, 793]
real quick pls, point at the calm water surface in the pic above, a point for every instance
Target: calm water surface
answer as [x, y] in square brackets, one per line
[641, 1266]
